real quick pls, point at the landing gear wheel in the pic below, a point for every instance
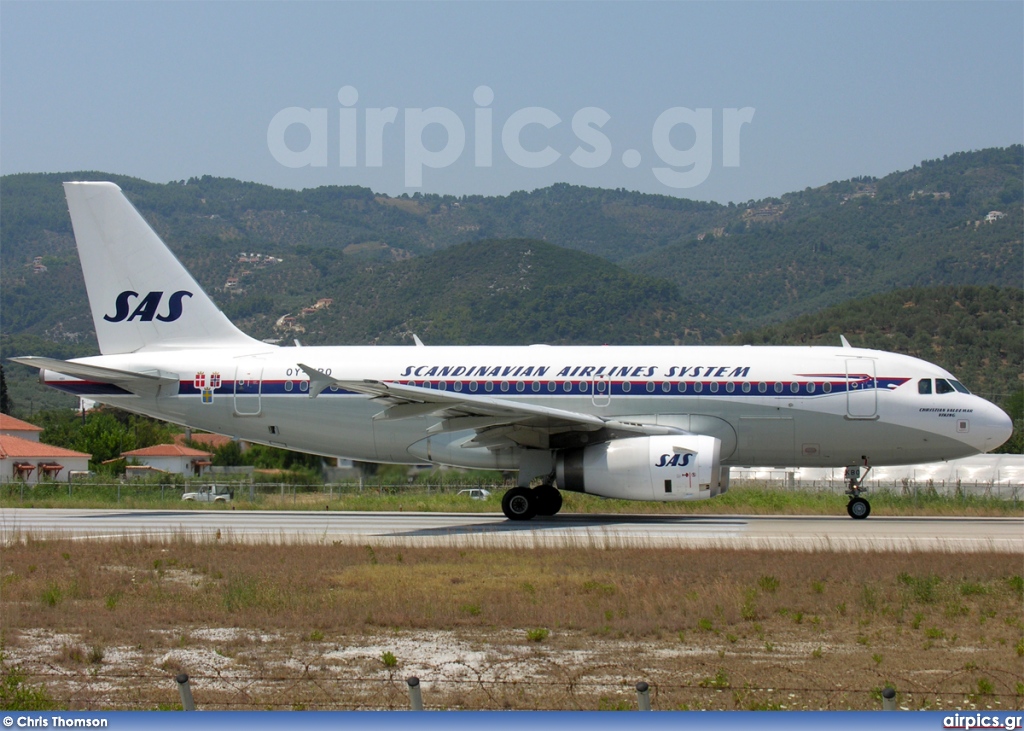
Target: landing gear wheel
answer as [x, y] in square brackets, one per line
[519, 503]
[858, 508]
[548, 500]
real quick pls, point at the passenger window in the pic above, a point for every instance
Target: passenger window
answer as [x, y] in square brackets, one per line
[942, 386]
[924, 386]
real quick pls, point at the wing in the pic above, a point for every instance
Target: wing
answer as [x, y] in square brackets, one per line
[146, 383]
[498, 422]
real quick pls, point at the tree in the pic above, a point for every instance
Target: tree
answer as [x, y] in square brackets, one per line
[5, 399]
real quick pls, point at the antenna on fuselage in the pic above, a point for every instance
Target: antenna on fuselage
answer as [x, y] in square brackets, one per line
[846, 343]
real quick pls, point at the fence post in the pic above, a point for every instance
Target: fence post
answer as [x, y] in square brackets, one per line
[186, 692]
[415, 695]
[643, 696]
[888, 699]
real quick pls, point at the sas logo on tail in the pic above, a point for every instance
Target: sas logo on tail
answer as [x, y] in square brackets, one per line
[147, 309]
[674, 460]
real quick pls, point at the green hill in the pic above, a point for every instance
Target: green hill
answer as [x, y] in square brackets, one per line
[487, 292]
[808, 250]
[739, 266]
[976, 333]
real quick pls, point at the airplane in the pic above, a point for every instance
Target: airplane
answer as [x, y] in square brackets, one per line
[656, 423]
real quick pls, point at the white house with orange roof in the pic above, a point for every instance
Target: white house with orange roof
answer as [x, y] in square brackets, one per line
[172, 458]
[24, 458]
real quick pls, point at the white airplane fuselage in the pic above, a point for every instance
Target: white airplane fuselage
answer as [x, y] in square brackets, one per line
[832, 406]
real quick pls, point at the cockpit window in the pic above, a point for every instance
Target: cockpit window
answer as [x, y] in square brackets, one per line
[942, 386]
[924, 386]
[959, 387]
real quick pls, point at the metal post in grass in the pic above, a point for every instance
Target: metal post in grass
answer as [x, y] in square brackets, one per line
[888, 699]
[643, 696]
[415, 694]
[185, 691]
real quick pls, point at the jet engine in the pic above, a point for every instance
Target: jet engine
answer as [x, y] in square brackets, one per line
[683, 467]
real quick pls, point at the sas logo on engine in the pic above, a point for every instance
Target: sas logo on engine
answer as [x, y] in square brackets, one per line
[148, 307]
[674, 460]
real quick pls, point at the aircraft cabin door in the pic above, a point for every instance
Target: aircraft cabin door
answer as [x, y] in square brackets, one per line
[861, 389]
[248, 387]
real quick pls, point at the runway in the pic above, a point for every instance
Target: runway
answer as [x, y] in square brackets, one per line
[805, 533]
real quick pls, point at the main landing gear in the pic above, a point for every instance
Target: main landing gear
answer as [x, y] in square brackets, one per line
[523, 503]
[858, 508]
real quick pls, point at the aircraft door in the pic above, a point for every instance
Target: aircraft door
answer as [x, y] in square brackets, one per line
[248, 387]
[861, 390]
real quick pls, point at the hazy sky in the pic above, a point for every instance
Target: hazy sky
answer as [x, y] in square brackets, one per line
[724, 101]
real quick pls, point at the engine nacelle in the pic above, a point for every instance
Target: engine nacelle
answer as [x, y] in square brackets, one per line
[684, 467]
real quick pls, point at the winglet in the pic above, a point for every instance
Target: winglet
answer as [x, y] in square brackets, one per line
[318, 381]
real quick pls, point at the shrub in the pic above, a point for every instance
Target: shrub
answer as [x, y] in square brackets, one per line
[537, 635]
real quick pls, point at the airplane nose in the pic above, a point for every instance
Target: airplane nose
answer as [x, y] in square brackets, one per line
[992, 429]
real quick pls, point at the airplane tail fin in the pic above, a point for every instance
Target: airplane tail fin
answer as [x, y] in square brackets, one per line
[141, 296]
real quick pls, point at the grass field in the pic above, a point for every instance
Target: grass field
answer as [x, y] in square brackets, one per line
[107, 625]
[747, 499]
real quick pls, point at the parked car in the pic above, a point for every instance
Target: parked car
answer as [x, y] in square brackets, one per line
[477, 493]
[210, 494]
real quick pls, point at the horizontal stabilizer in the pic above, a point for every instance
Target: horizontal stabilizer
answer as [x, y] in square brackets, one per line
[146, 383]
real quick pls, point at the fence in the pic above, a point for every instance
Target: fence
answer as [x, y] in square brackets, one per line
[297, 494]
[918, 490]
[310, 689]
[243, 490]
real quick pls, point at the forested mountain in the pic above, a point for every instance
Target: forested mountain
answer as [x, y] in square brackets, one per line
[739, 266]
[976, 333]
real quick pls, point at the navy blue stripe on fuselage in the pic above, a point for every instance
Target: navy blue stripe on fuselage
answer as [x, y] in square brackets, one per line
[703, 389]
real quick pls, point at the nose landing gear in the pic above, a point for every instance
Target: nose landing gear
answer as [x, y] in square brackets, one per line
[858, 508]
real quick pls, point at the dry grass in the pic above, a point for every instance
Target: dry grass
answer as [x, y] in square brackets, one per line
[308, 625]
